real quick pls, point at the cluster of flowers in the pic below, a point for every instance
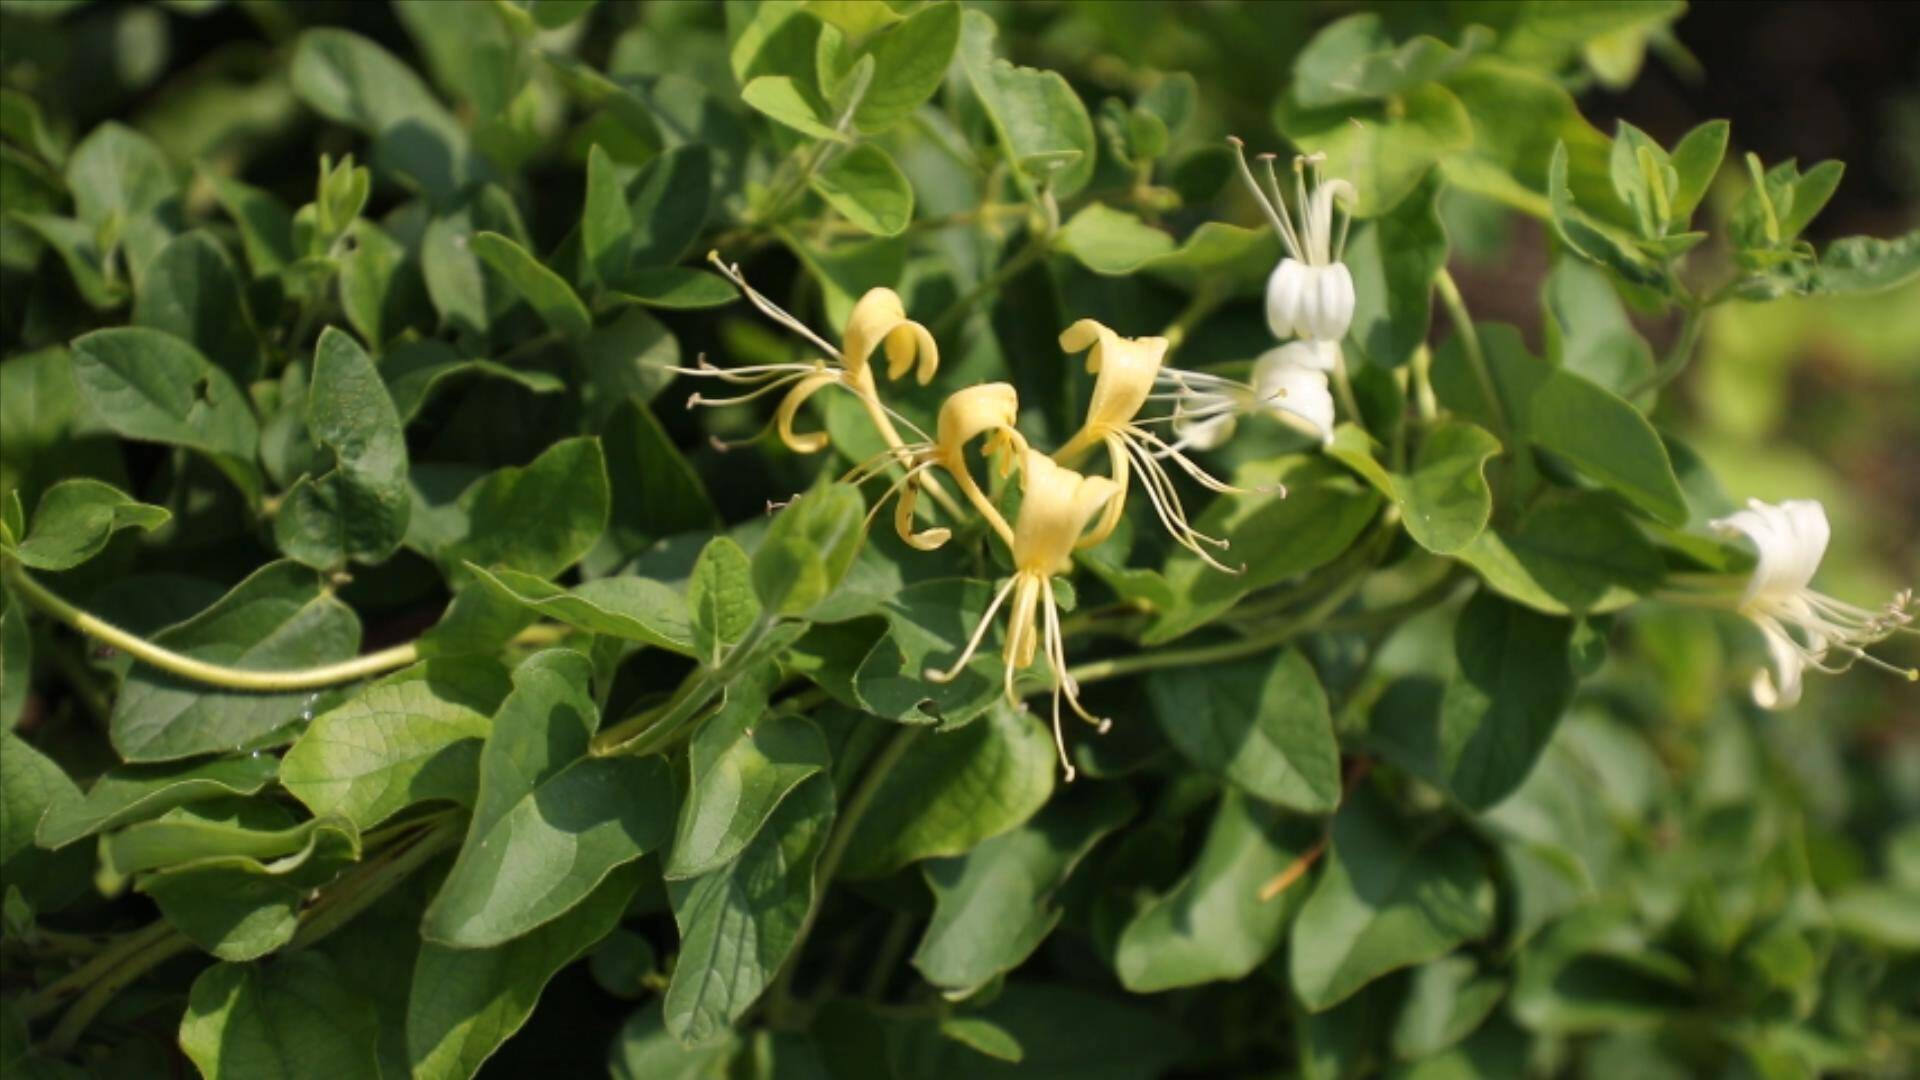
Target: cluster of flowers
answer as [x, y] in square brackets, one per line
[1310, 300]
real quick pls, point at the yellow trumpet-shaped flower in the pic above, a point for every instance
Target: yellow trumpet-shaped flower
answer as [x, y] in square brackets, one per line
[1125, 373]
[878, 321]
[988, 409]
[1056, 506]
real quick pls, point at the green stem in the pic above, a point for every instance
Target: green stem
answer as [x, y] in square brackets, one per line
[655, 729]
[199, 670]
[356, 893]
[1470, 343]
[1678, 357]
[53, 994]
[1198, 308]
[1343, 388]
[73, 1023]
[781, 996]
[948, 319]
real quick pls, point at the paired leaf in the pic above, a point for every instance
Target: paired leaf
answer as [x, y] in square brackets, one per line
[153, 387]
[1445, 502]
[1262, 724]
[1038, 121]
[538, 519]
[867, 188]
[359, 509]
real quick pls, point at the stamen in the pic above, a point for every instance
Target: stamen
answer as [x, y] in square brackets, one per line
[1274, 214]
[696, 400]
[1295, 240]
[767, 307]
[979, 635]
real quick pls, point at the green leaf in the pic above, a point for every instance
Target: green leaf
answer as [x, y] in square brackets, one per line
[1447, 1000]
[809, 548]
[539, 519]
[359, 509]
[953, 789]
[720, 597]
[1109, 241]
[1590, 334]
[265, 225]
[1263, 724]
[1444, 502]
[415, 371]
[209, 830]
[1032, 112]
[129, 793]
[606, 224]
[412, 737]
[738, 924]
[1878, 914]
[238, 907]
[1696, 161]
[16, 663]
[1597, 243]
[1214, 924]
[153, 387]
[1386, 900]
[929, 624]
[290, 1017]
[282, 616]
[744, 764]
[547, 291]
[676, 287]
[1385, 152]
[1574, 553]
[76, 518]
[670, 201]
[645, 1050]
[465, 1002]
[780, 98]
[867, 188]
[995, 904]
[1557, 410]
[1393, 260]
[191, 291]
[30, 784]
[630, 608]
[910, 63]
[22, 121]
[351, 80]
[1505, 700]
[117, 176]
[1354, 59]
[1064, 1032]
[1518, 114]
[381, 288]
[550, 821]
[1865, 264]
[75, 243]
[656, 493]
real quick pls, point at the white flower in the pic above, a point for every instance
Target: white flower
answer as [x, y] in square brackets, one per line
[1289, 384]
[1310, 294]
[1803, 628]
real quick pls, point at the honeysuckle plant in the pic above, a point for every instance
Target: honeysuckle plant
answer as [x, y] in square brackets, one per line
[769, 538]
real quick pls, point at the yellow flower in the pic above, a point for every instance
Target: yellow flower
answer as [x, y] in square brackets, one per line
[1056, 506]
[1125, 373]
[987, 409]
[878, 321]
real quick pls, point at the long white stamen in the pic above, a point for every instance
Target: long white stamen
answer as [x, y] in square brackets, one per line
[696, 400]
[1295, 240]
[770, 309]
[979, 635]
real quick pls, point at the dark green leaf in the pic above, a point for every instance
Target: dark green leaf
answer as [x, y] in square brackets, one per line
[1504, 702]
[1394, 259]
[867, 188]
[547, 291]
[1262, 724]
[606, 224]
[416, 370]
[191, 291]
[130, 793]
[539, 519]
[720, 597]
[359, 509]
[238, 907]
[282, 616]
[1448, 999]
[1572, 553]
[1032, 112]
[656, 494]
[550, 821]
[31, 783]
[670, 200]
[351, 80]
[1444, 502]
[153, 387]
[809, 548]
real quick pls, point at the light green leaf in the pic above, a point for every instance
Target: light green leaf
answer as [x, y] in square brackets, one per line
[867, 188]
[412, 737]
[129, 793]
[291, 1017]
[1865, 264]
[1109, 241]
[737, 924]
[1214, 925]
[676, 287]
[1393, 260]
[910, 63]
[549, 821]
[645, 1050]
[1590, 334]
[265, 225]
[547, 291]
[1505, 700]
[1032, 112]
[76, 518]
[238, 907]
[117, 176]
[1385, 152]
[353, 81]
[1447, 1000]
[1354, 59]
[606, 224]
[465, 1002]
[153, 387]
[1263, 724]
[953, 789]
[1696, 161]
[1597, 243]
[809, 548]
[995, 904]
[1574, 553]
[627, 607]
[359, 509]
[1444, 502]
[1518, 113]
[538, 519]
[1386, 900]
[720, 597]
[779, 98]
[381, 288]
[282, 616]
[929, 624]
[744, 764]
[190, 290]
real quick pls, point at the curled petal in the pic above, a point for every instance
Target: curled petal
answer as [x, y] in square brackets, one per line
[1124, 371]
[1056, 506]
[1779, 688]
[1294, 390]
[880, 318]
[1116, 504]
[928, 540]
[1789, 539]
[972, 412]
[811, 442]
